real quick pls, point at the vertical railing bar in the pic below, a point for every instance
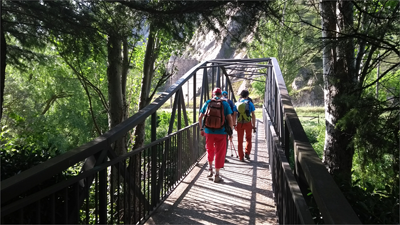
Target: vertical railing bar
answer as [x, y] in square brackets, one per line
[191, 139]
[129, 194]
[167, 162]
[194, 99]
[229, 83]
[175, 159]
[87, 189]
[77, 204]
[112, 193]
[207, 88]
[96, 197]
[162, 166]
[103, 196]
[149, 196]
[145, 179]
[172, 120]
[212, 75]
[37, 212]
[183, 153]
[66, 205]
[226, 84]
[154, 159]
[179, 138]
[118, 191]
[160, 157]
[125, 196]
[218, 78]
[143, 157]
[21, 215]
[171, 163]
[222, 81]
[185, 117]
[203, 94]
[137, 200]
[53, 208]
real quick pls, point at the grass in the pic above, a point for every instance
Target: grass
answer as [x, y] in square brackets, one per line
[313, 121]
[310, 110]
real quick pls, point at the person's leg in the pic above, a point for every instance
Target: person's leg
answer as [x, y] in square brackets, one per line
[210, 152]
[220, 152]
[248, 128]
[240, 133]
[226, 152]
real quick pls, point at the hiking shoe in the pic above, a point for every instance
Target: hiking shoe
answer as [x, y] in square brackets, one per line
[242, 160]
[247, 156]
[217, 178]
[210, 175]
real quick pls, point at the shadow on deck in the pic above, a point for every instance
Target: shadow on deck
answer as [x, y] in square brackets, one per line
[244, 197]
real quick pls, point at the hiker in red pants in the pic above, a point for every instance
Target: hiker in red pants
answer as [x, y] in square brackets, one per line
[217, 121]
[245, 122]
[225, 97]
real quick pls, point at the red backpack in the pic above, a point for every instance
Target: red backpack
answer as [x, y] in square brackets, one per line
[215, 116]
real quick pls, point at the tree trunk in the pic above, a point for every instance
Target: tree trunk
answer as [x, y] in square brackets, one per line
[124, 75]
[340, 79]
[3, 69]
[148, 73]
[139, 134]
[115, 95]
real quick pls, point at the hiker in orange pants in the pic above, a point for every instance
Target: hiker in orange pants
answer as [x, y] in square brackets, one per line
[241, 128]
[245, 120]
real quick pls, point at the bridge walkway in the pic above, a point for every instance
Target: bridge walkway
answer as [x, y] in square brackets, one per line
[244, 197]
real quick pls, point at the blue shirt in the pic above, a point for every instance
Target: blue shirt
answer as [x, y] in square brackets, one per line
[251, 106]
[227, 111]
[230, 103]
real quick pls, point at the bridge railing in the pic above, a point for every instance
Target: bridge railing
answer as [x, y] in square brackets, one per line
[113, 188]
[284, 132]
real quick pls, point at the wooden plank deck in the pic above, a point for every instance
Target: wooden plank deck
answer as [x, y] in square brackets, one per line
[244, 197]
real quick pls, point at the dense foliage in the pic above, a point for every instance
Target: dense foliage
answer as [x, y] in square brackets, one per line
[57, 80]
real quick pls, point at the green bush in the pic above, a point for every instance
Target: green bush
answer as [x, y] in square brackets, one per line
[372, 205]
[315, 132]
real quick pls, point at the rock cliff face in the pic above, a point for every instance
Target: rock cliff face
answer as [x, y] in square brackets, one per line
[203, 48]
[307, 88]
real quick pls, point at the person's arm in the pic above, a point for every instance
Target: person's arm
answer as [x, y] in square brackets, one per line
[201, 114]
[230, 122]
[253, 119]
[202, 133]
[201, 120]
